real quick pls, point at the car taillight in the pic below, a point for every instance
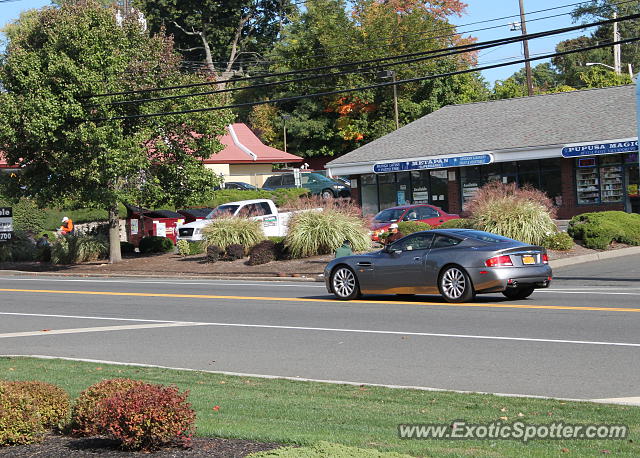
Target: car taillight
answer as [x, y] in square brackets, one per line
[545, 258]
[499, 261]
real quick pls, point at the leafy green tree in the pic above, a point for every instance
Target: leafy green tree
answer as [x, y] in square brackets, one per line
[222, 36]
[70, 144]
[330, 32]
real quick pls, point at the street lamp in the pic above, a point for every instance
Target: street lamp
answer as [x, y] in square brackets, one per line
[392, 74]
[589, 64]
[284, 127]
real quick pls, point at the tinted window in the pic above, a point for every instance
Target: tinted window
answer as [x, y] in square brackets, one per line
[288, 180]
[426, 213]
[389, 214]
[486, 236]
[273, 181]
[414, 242]
[443, 241]
[223, 210]
[266, 209]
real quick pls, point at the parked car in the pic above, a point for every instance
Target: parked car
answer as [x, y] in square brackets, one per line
[315, 182]
[274, 222]
[239, 185]
[455, 263]
[424, 213]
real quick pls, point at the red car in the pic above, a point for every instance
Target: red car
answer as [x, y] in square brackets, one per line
[424, 213]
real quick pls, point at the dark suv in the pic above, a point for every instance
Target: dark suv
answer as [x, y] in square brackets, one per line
[314, 182]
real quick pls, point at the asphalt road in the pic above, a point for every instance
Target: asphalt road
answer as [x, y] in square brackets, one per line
[578, 339]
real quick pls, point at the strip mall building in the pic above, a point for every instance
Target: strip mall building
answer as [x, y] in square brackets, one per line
[580, 147]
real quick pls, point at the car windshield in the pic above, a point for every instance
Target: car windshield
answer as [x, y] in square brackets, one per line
[486, 236]
[314, 178]
[223, 210]
[389, 215]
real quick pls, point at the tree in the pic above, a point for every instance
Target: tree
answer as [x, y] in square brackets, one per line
[224, 37]
[330, 32]
[67, 142]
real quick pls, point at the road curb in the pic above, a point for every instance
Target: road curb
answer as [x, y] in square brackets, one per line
[308, 278]
[594, 257]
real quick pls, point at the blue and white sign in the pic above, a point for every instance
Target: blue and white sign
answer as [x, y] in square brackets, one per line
[600, 148]
[435, 163]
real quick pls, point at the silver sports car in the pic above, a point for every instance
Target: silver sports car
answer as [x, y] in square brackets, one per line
[455, 263]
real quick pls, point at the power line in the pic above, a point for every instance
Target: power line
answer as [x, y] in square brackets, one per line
[445, 52]
[373, 86]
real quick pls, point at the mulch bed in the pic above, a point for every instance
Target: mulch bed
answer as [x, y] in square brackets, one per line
[62, 446]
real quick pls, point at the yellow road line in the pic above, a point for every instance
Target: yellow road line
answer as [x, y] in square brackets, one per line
[296, 299]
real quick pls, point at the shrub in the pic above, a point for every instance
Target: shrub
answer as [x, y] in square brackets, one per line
[127, 248]
[496, 190]
[597, 230]
[213, 253]
[27, 216]
[279, 196]
[263, 253]
[183, 247]
[147, 417]
[560, 241]
[234, 251]
[458, 223]
[72, 249]
[409, 227]
[233, 230]
[155, 244]
[196, 248]
[283, 253]
[312, 233]
[85, 410]
[20, 421]
[20, 248]
[51, 402]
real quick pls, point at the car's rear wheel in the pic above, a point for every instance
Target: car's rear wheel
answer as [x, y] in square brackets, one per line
[455, 285]
[518, 293]
[327, 194]
[344, 284]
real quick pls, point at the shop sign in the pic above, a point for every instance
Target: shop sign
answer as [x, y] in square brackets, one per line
[6, 223]
[436, 163]
[600, 148]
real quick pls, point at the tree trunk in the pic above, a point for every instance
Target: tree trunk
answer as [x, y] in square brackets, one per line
[114, 235]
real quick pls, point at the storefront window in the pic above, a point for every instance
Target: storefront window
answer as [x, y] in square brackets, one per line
[403, 188]
[439, 189]
[549, 179]
[420, 187]
[529, 174]
[600, 179]
[369, 194]
[471, 179]
[387, 190]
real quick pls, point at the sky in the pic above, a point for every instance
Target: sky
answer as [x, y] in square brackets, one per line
[477, 10]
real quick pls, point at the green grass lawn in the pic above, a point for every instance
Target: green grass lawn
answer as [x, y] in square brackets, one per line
[305, 413]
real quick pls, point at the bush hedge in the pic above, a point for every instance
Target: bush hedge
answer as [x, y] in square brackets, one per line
[147, 417]
[234, 251]
[73, 249]
[51, 402]
[409, 227]
[20, 421]
[85, 410]
[560, 241]
[155, 244]
[597, 230]
[213, 253]
[127, 248]
[20, 248]
[263, 253]
[458, 223]
[281, 197]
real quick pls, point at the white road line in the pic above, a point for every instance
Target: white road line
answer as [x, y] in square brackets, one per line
[82, 317]
[127, 327]
[355, 331]
[605, 293]
[151, 282]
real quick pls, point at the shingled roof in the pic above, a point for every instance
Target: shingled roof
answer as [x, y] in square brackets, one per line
[542, 120]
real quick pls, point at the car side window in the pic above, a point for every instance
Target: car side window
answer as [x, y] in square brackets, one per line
[443, 241]
[275, 180]
[288, 180]
[415, 242]
[427, 212]
[266, 209]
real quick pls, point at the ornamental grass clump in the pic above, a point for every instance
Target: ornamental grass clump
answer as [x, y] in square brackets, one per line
[321, 232]
[73, 249]
[233, 230]
[523, 214]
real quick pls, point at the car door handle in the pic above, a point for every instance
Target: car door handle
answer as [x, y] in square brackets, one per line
[364, 264]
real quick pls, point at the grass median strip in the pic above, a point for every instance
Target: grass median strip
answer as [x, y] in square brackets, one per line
[295, 412]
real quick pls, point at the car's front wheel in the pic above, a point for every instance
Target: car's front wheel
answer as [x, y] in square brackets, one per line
[455, 285]
[518, 293]
[327, 194]
[344, 284]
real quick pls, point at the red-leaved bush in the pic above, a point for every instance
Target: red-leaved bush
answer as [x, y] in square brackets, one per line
[496, 190]
[83, 422]
[147, 417]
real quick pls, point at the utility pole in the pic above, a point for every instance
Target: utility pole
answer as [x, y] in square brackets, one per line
[617, 65]
[525, 45]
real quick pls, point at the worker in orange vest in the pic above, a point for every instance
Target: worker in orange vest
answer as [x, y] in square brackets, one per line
[67, 226]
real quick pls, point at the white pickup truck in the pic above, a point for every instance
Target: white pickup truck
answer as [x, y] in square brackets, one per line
[273, 222]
